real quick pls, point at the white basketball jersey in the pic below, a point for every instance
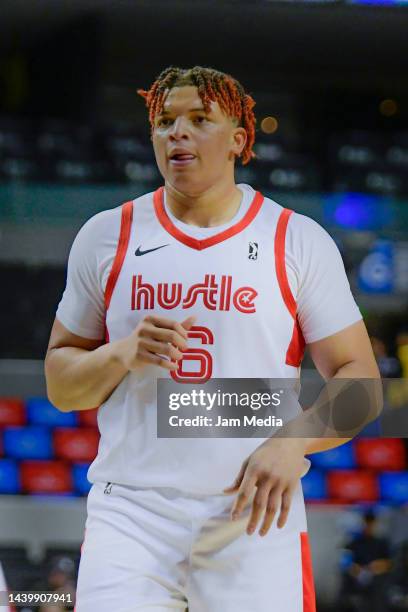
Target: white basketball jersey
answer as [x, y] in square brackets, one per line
[235, 283]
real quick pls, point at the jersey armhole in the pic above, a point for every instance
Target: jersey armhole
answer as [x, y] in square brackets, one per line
[295, 352]
[123, 242]
[280, 263]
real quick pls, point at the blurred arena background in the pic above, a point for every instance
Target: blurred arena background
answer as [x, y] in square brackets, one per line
[330, 81]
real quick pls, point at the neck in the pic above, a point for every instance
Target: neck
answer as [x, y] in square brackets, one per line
[215, 206]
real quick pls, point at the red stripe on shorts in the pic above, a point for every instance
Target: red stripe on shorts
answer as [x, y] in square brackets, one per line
[309, 598]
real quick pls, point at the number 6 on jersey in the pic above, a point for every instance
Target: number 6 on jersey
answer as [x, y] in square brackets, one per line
[203, 358]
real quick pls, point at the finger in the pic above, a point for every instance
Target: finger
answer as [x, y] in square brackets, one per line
[272, 506]
[188, 323]
[147, 357]
[244, 494]
[235, 485]
[162, 348]
[163, 334]
[258, 505]
[285, 507]
[167, 324]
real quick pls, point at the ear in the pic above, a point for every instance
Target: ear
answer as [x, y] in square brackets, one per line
[239, 138]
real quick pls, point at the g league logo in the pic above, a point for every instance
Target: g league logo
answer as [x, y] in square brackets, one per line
[253, 251]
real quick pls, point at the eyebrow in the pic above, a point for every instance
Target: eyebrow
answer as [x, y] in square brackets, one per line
[191, 110]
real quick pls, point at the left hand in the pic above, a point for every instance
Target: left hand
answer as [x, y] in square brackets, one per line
[274, 468]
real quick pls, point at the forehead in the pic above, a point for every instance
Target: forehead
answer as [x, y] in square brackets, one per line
[186, 98]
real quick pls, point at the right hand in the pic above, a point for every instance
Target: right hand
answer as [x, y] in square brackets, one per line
[155, 340]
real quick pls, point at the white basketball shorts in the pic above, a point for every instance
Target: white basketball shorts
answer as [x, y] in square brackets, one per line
[161, 549]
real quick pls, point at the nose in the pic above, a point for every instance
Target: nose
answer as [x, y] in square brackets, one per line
[178, 129]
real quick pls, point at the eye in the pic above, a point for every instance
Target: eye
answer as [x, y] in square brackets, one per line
[163, 122]
[199, 119]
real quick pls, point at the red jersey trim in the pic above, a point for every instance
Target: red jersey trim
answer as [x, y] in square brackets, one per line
[295, 352]
[296, 349]
[280, 261]
[126, 222]
[194, 243]
[125, 225]
[309, 597]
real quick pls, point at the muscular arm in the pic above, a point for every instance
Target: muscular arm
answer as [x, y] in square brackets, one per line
[348, 355]
[80, 373]
[345, 355]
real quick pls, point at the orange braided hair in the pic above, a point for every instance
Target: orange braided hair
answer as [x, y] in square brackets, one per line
[212, 85]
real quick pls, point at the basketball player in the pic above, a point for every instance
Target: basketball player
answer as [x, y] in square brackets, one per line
[209, 278]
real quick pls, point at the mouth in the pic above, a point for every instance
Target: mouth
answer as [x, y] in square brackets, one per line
[182, 159]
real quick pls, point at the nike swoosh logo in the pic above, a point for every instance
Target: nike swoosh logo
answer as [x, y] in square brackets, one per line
[139, 252]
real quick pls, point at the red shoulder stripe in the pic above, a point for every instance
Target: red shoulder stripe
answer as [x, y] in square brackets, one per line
[280, 261]
[126, 222]
[296, 347]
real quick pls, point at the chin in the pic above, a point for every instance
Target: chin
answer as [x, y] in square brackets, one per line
[187, 185]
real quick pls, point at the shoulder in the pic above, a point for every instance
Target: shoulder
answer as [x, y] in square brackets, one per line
[102, 223]
[270, 210]
[307, 239]
[299, 225]
[97, 238]
[304, 227]
[304, 236]
[99, 235]
[103, 229]
[106, 220]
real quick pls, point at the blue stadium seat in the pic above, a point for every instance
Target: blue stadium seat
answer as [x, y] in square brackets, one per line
[28, 442]
[81, 483]
[394, 487]
[9, 476]
[314, 485]
[341, 457]
[41, 412]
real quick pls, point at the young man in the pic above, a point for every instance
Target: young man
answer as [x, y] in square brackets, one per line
[209, 270]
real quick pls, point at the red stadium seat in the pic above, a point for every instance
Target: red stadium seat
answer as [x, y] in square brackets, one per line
[380, 453]
[76, 444]
[352, 485]
[87, 418]
[45, 477]
[12, 412]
